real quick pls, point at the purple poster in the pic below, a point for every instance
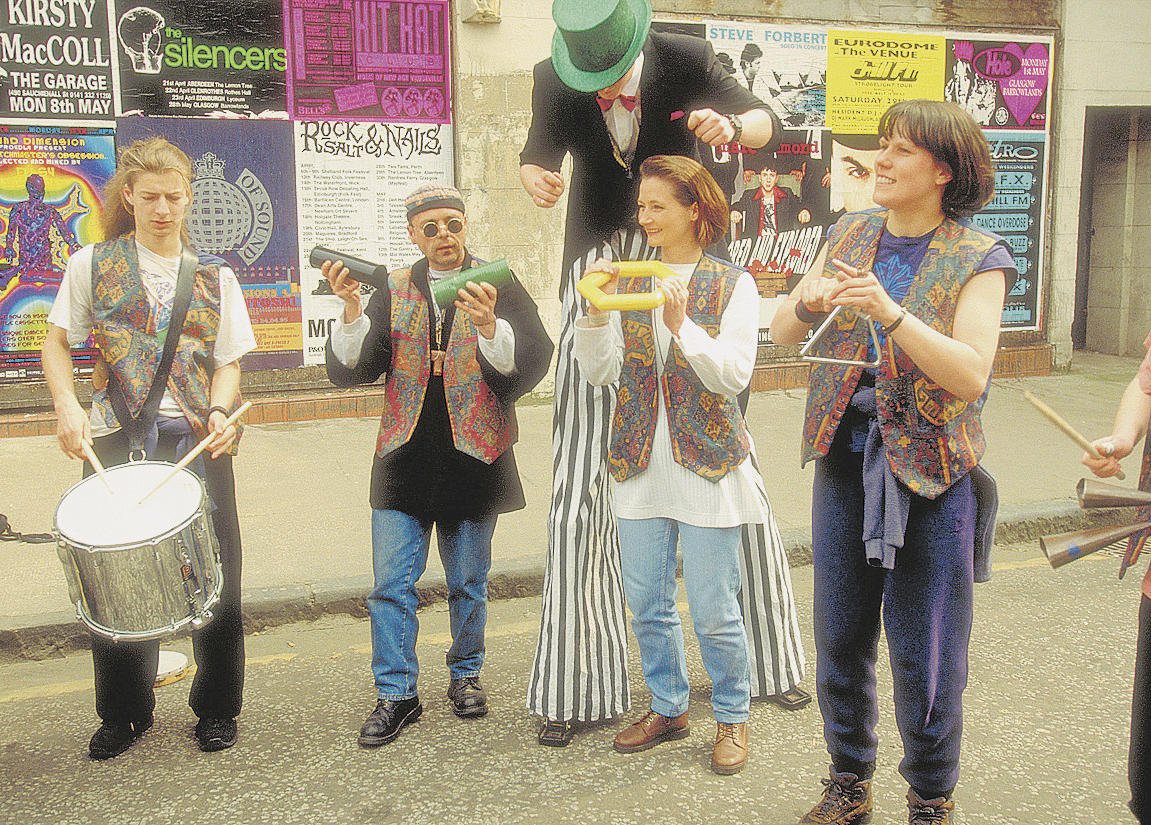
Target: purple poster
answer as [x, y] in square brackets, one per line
[368, 60]
[244, 216]
[1003, 84]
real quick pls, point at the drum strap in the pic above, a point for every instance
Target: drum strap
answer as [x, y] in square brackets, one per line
[136, 429]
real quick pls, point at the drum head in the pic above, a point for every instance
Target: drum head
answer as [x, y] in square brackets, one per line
[91, 516]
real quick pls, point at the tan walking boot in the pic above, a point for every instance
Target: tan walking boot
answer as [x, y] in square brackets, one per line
[650, 731]
[845, 801]
[938, 811]
[730, 752]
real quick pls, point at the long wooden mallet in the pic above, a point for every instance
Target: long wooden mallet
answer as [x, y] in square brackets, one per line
[90, 454]
[199, 448]
[1058, 420]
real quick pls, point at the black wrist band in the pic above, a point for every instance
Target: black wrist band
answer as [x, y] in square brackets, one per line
[806, 315]
[890, 328]
[218, 409]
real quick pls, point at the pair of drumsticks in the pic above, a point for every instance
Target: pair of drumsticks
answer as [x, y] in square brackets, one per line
[90, 454]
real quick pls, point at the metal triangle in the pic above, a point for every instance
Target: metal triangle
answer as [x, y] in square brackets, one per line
[819, 332]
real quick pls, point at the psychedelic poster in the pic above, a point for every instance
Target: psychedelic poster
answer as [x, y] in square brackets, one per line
[868, 71]
[56, 61]
[784, 66]
[212, 58]
[368, 60]
[242, 216]
[1016, 213]
[51, 180]
[352, 180]
[1002, 84]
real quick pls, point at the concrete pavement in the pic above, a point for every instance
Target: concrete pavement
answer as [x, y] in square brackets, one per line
[302, 495]
[1046, 715]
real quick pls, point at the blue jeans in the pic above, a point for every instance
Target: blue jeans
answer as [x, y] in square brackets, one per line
[399, 556]
[711, 574]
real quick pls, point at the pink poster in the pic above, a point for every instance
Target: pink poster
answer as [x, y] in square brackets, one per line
[368, 60]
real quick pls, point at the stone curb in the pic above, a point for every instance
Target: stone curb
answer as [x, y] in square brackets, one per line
[50, 635]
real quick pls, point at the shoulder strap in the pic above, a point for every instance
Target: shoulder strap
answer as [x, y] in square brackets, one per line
[137, 428]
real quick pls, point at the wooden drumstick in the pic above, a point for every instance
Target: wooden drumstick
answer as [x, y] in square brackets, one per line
[90, 454]
[199, 448]
[1058, 420]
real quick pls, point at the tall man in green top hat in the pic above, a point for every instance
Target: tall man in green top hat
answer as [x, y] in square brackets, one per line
[613, 94]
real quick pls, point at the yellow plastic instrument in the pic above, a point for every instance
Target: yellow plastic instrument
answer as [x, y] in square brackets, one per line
[590, 285]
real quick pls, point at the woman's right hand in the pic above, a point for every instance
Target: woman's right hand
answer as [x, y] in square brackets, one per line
[1112, 448]
[609, 288]
[347, 289]
[815, 294]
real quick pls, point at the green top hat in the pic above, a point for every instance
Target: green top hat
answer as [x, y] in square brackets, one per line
[596, 41]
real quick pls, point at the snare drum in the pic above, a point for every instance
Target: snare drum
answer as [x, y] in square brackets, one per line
[139, 571]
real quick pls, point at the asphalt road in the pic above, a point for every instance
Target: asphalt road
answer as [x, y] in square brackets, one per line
[1047, 715]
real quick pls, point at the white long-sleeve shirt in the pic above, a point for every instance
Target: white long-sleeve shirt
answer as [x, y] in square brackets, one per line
[724, 365]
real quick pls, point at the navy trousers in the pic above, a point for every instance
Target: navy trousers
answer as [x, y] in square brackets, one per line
[125, 671]
[926, 607]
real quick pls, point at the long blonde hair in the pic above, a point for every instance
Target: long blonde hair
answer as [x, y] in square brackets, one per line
[154, 155]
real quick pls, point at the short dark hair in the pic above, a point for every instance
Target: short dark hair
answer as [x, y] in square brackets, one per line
[692, 184]
[750, 52]
[954, 139]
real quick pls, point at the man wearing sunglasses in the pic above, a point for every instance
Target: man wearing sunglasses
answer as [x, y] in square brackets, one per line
[444, 451]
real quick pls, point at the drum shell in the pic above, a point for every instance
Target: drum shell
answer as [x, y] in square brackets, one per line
[151, 589]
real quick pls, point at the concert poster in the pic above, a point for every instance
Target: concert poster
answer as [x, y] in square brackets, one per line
[352, 179]
[1002, 84]
[868, 71]
[784, 66]
[242, 217]
[1016, 213]
[212, 58]
[56, 62]
[51, 184]
[368, 60]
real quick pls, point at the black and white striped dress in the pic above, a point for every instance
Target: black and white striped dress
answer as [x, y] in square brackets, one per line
[580, 667]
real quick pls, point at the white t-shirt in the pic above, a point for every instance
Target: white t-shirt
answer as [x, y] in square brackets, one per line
[73, 312]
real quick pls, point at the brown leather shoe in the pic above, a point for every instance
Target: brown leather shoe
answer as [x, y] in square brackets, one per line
[650, 731]
[730, 752]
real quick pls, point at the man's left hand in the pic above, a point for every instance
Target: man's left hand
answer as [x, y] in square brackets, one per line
[479, 302]
[710, 126]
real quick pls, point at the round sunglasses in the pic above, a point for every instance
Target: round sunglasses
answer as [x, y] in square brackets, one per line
[432, 228]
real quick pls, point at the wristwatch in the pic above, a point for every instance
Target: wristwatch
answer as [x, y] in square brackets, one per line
[737, 125]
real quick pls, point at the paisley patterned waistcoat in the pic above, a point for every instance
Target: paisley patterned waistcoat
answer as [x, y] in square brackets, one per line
[708, 435]
[932, 437]
[125, 333]
[481, 426]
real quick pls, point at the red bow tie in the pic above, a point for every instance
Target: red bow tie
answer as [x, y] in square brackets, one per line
[627, 101]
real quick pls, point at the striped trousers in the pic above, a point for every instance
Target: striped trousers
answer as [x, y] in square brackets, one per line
[579, 672]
